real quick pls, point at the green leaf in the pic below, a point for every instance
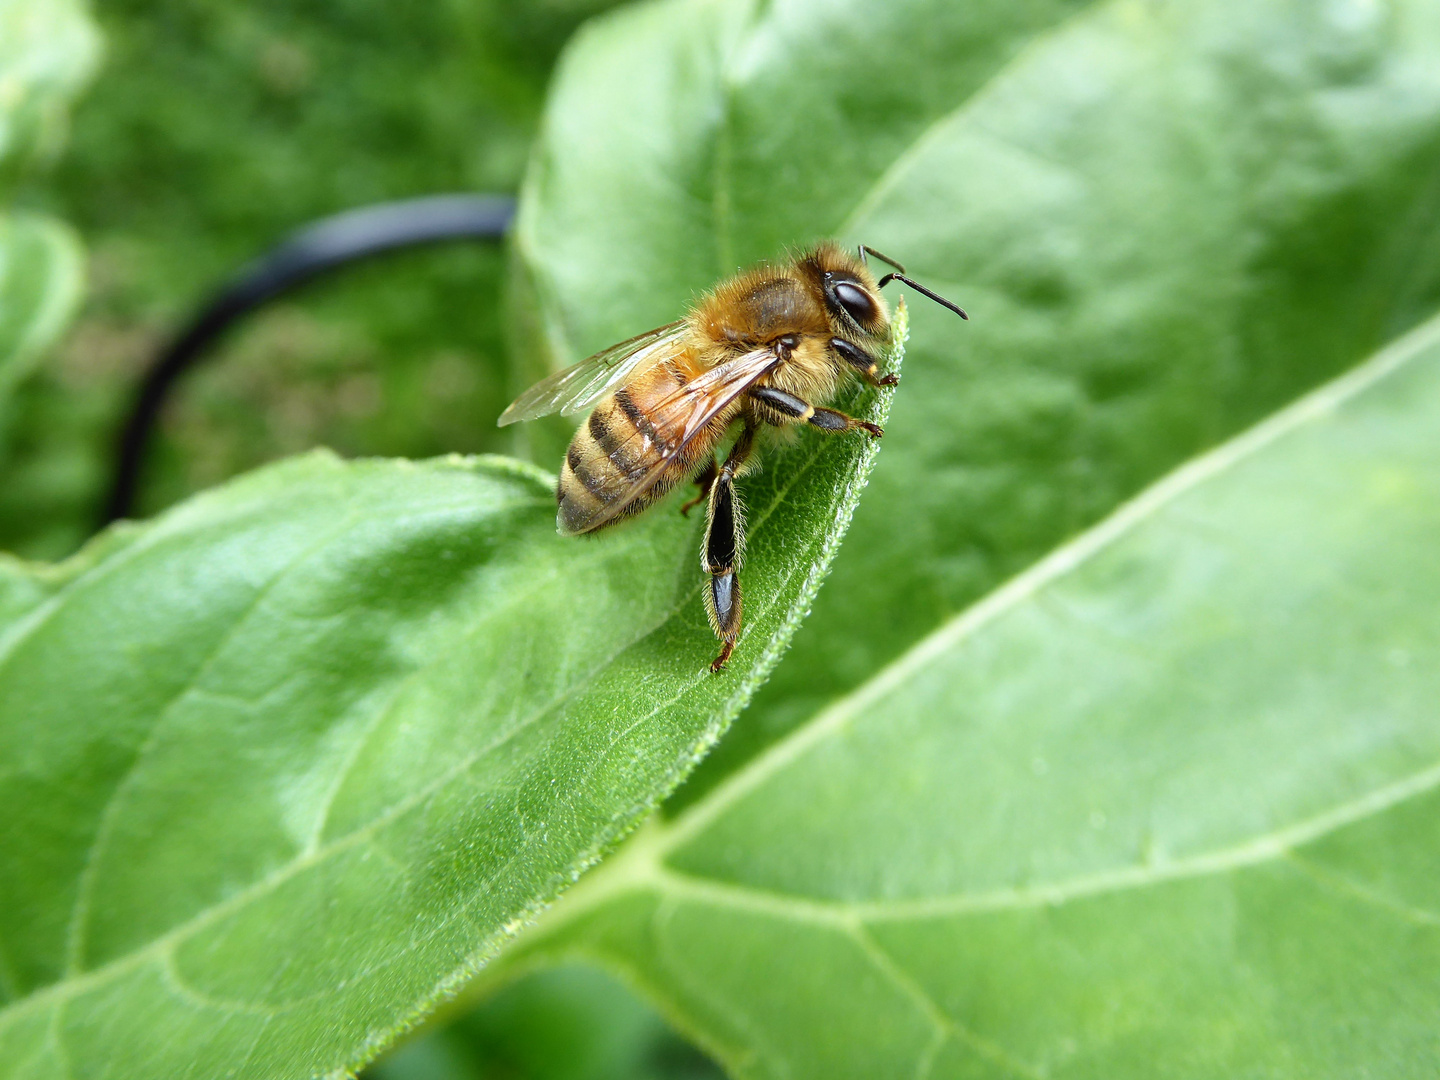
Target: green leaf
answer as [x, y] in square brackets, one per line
[1167, 804]
[42, 271]
[281, 770]
[48, 50]
[1166, 220]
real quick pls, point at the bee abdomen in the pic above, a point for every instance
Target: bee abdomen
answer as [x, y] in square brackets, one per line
[610, 454]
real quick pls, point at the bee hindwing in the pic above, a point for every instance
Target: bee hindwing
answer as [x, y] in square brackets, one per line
[577, 388]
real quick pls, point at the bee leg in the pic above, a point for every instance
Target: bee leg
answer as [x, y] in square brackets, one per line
[705, 478]
[724, 546]
[865, 365]
[824, 419]
[831, 420]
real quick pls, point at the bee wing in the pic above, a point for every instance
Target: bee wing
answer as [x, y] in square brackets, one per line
[678, 418]
[577, 388]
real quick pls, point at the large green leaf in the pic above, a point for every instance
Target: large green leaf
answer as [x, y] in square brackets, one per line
[280, 770]
[48, 49]
[1167, 220]
[1167, 804]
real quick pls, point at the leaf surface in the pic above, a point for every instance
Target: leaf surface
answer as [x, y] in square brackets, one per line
[1167, 221]
[280, 770]
[1166, 804]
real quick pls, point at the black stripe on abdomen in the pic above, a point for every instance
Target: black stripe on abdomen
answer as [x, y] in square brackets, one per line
[633, 413]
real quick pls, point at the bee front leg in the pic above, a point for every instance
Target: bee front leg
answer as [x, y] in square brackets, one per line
[724, 548]
[864, 365]
[832, 420]
[800, 409]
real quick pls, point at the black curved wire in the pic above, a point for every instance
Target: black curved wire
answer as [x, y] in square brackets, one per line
[307, 253]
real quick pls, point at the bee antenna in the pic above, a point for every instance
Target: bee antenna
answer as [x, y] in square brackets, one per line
[866, 249]
[956, 308]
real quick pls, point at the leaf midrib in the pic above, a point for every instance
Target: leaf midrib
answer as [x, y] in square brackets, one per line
[1267, 847]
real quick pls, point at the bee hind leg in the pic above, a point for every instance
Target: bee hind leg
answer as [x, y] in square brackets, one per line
[724, 547]
[705, 478]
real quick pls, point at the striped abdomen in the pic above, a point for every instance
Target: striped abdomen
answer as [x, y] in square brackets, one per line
[619, 445]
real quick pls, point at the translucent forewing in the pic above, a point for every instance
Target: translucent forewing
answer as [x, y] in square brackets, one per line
[577, 388]
[678, 418]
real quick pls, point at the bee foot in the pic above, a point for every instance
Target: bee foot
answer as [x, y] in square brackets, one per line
[718, 664]
[875, 430]
[888, 380]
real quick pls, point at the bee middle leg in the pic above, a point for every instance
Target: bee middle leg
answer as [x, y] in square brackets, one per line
[705, 478]
[724, 546]
[824, 419]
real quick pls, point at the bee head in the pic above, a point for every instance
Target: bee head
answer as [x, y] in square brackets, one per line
[851, 296]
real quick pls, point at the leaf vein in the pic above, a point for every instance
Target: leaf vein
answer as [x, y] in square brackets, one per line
[945, 1024]
[1267, 847]
[1331, 881]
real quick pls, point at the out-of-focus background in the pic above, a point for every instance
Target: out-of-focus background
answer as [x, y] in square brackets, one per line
[213, 129]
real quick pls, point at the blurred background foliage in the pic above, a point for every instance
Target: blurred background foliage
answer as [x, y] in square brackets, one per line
[567, 1023]
[212, 130]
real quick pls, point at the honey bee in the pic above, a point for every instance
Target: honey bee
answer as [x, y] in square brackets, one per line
[766, 348]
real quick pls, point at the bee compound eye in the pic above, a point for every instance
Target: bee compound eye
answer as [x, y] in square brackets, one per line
[856, 302]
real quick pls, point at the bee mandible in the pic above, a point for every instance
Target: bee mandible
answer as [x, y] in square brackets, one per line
[766, 348]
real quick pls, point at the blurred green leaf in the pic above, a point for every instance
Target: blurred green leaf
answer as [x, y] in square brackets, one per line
[48, 49]
[279, 771]
[41, 274]
[573, 1023]
[1166, 804]
[1166, 220]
